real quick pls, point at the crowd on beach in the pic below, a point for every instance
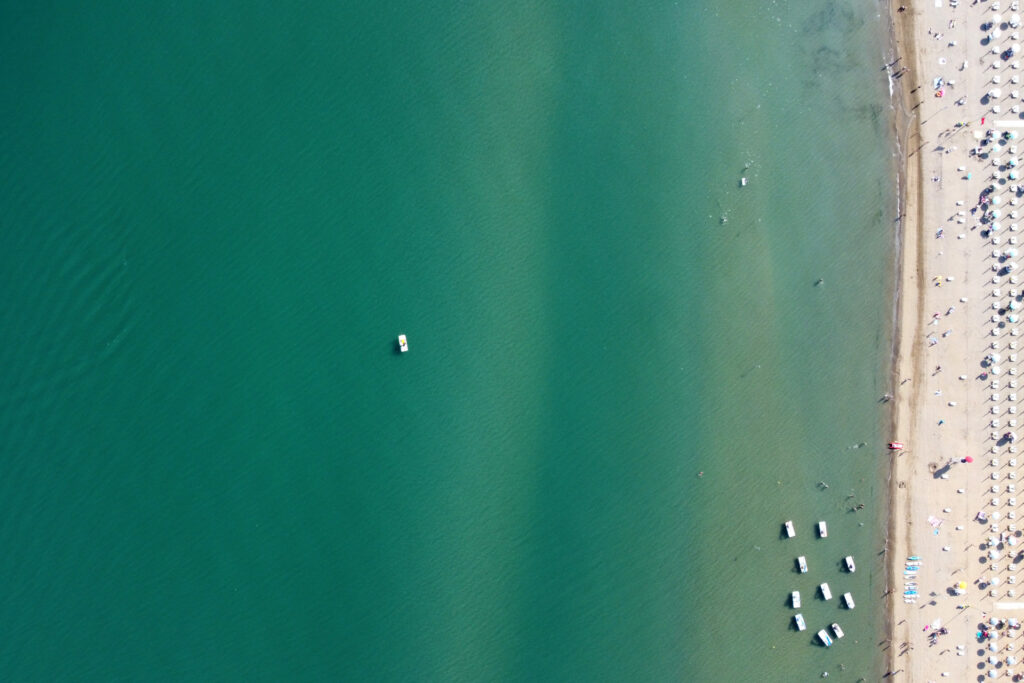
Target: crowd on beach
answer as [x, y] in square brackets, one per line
[957, 388]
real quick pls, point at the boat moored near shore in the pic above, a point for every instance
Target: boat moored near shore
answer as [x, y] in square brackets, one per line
[795, 597]
[848, 599]
[825, 640]
[838, 631]
[850, 566]
[801, 625]
[790, 531]
[403, 343]
[802, 563]
[825, 592]
[822, 530]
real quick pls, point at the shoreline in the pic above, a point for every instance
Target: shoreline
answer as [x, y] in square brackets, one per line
[908, 265]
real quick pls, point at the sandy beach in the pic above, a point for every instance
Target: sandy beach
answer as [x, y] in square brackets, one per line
[953, 486]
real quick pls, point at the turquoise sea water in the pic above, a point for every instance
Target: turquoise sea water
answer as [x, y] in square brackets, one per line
[218, 216]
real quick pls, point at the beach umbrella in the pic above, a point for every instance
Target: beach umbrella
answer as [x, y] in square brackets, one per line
[963, 584]
[1011, 541]
[995, 92]
[1011, 661]
[1015, 48]
[1012, 265]
[995, 516]
[968, 459]
[1014, 20]
[1013, 135]
[997, 79]
[997, 19]
[995, 358]
[992, 660]
[992, 673]
[995, 369]
[1014, 306]
[1011, 163]
[1011, 318]
[996, 213]
[1011, 252]
[997, 200]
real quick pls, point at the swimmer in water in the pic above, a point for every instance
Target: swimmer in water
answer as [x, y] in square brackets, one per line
[700, 474]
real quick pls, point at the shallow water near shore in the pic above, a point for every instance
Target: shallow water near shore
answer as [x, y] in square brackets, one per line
[218, 218]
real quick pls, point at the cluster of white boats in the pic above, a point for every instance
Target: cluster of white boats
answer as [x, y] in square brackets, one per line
[910, 579]
[826, 592]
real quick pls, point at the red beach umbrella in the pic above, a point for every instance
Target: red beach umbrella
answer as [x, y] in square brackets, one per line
[968, 459]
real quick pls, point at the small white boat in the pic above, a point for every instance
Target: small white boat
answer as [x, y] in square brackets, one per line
[795, 595]
[822, 530]
[850, 566]
[802, 563]
[825, 640]
[838, 631]
[825, 592]
[800, 624]
[403, 343]
[743, 182]
[790, 531]
[848, 599]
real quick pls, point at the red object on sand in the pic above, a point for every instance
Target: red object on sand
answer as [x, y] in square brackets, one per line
[968, 459]
[895, 445]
